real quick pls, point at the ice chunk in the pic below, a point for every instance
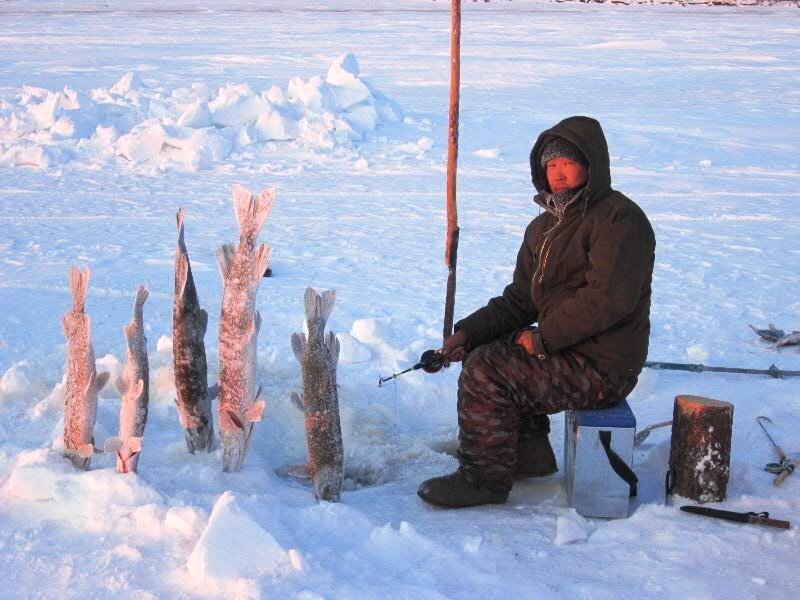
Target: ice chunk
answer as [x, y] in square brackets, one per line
[370, 331]
[196, 115]
[351, 350]
[570, 528]
[275, 125]
[234, 545]
[235, 105]
[143, 144]
[32, 483]
[127, 83]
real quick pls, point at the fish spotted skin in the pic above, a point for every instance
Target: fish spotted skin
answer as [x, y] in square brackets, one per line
[134, 385]
[241, 267]
[83, 381]
[318, 356]
[189, 324]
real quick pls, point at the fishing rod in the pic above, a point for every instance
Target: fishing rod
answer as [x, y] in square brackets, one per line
[773, 371]
[431, 361]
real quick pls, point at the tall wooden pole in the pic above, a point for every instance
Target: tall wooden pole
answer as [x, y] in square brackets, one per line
[451, 242]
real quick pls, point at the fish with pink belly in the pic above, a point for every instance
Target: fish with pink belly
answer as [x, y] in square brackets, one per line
[83, 381]
[241, 267]
[134, 386]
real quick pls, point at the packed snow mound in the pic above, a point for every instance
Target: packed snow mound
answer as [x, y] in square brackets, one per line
[190, 128]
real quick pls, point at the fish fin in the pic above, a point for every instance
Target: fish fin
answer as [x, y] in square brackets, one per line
[213, 391]
[139, 388]
[79, 287]
[256, 323]
[90, 383]
[86, 450]
[298, 400]
[120, 385]
[181, 274]
[65, 325]
[263, 256]
[299, 472]
[181, 418]
[299, 345]
[134, 444]
[333, 348]
[251, 211]
[234, 418]
[101, 380]
[203, 316]
[179, 220]
[319, 307]
[255, 412]
[113, 444]
[224, 259]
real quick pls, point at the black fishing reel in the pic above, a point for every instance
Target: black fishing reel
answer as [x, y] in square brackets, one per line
[431, 361]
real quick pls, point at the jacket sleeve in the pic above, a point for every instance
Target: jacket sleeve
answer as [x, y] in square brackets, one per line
[510, 311]
[621, 252]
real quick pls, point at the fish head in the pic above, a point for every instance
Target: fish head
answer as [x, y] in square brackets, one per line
[233, 439]
[234, 447]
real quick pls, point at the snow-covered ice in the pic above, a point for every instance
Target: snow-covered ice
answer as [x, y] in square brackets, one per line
[113, 114]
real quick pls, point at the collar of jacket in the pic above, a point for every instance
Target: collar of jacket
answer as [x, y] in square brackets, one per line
[587, 135]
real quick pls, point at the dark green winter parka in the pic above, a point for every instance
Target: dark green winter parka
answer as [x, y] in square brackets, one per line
[586, 279]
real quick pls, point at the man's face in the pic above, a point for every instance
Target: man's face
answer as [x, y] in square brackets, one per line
[563, 174]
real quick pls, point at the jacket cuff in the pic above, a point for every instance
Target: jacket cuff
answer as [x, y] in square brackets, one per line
[539, 347]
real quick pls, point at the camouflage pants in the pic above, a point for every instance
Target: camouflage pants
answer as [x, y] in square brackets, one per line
[504, 392]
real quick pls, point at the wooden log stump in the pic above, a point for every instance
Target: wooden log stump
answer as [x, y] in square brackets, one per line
[700, 452]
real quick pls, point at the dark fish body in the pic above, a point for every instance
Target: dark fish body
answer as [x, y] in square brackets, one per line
[241, 267]
[318, 356]
[83, 381]
[134, 386]
[189, 324]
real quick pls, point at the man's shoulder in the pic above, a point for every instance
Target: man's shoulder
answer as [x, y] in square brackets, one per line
[617, 203]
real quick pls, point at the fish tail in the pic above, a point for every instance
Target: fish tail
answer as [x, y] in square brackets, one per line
[142, 293]
[79, 287]
[251, 211]
[181, 240]
[319, 307]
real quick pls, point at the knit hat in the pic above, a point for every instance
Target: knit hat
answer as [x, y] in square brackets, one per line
[558, 147]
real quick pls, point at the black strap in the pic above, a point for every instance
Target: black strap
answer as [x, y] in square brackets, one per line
[620, 466]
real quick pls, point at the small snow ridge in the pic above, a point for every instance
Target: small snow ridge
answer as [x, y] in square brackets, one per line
[192, 128]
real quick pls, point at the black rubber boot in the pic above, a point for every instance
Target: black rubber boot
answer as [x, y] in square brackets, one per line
[535, 456]
[456, 491]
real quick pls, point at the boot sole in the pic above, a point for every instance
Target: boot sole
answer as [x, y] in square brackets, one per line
[497, 500]
[519, 476]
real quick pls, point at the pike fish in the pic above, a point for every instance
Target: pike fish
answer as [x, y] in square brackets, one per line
[318, 356]
[83, 380]
[241, 267]
[134, 385]
[189, 324]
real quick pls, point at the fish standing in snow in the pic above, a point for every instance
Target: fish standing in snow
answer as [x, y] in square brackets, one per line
[134, 386]
[189, 323]
[241, 267]
[318, 355]
[83, 380]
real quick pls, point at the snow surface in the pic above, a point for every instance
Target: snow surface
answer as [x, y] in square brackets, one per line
[113, 114]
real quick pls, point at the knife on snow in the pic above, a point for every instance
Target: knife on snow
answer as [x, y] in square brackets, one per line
[761, 518]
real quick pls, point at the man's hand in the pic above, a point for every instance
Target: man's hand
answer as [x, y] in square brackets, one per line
[525, 339]
[454, 348]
